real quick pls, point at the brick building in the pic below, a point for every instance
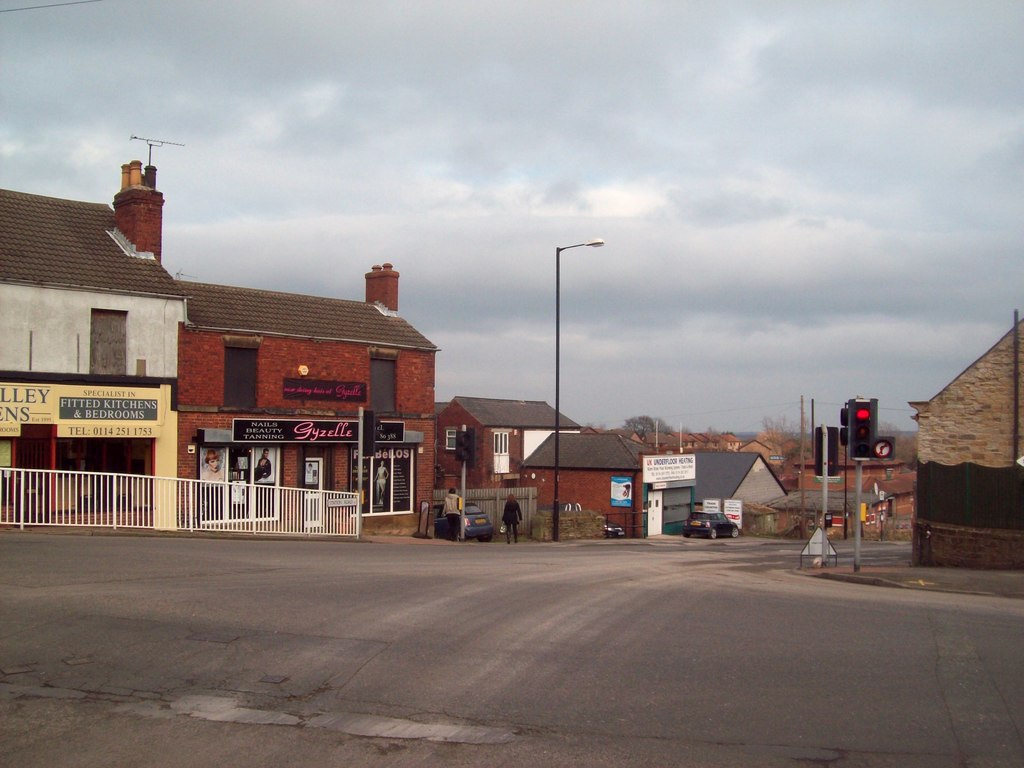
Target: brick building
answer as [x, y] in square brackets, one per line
[271, 386]
[504, 433]
[600, 472]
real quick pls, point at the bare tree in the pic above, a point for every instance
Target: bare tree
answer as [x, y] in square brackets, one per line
[781, 437]
[646, 427]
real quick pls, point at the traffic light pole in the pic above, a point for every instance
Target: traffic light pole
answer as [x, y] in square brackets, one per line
[462, 509]
[824, 495]
[856, 516]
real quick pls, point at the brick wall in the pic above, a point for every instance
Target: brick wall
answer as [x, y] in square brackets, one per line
[971, 419]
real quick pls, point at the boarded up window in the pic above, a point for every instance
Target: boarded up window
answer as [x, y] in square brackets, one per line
[108, 342]
[382, 385]
[240, 377]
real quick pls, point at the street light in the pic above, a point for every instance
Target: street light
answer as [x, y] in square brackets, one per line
[595, 243]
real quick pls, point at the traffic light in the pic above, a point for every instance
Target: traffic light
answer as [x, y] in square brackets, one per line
[833, 451]
[863, 417]
[844, 420]
[464, 445]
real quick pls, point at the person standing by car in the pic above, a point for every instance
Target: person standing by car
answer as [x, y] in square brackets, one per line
[452, 504]
[512, 517]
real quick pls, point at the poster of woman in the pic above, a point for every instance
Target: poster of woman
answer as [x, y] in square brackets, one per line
[212, 467]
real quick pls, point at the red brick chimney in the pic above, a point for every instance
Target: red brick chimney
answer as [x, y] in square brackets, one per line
[138, 208]
[382, 286]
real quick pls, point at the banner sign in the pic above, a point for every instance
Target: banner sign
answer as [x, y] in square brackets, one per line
[669, 468]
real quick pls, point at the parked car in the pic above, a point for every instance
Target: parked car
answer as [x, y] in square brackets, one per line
[478, 525]
[613, 530]
[710, 524]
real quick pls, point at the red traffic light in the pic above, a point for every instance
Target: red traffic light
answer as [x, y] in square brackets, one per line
[862, 414]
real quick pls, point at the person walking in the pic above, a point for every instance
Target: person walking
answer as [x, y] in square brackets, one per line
[452, 507]
[512, 517]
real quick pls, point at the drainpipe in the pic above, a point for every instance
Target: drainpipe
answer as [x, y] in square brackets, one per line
[1016, 386]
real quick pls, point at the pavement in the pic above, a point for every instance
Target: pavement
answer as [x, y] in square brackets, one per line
[966, 581]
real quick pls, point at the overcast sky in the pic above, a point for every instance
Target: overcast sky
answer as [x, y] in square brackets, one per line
[817, 199]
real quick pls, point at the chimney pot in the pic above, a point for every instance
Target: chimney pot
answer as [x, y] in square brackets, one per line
[382, 286]
[135, 173]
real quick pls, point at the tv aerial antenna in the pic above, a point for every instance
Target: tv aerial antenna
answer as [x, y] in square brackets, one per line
[155, 143]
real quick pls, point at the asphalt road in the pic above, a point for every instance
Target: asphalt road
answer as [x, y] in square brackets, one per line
[152, 651]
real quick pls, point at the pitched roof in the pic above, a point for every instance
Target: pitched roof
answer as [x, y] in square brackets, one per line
[513, 413]
[587, 451]
[54, 242]
[228, 308]
[720, 474]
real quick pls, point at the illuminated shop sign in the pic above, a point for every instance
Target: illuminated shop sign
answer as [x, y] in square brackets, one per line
[310, 431]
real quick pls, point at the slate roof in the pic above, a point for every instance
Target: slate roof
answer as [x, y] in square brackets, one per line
[587, 451]
[243, 310]
[720, 474]
[54, 242]
[527, 414]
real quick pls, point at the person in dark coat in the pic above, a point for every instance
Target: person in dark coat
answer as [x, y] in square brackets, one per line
[512, 517]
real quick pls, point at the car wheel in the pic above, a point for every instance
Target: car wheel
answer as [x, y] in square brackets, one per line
[483, 538]
[735, 531]
[714, 533]
[686, 535]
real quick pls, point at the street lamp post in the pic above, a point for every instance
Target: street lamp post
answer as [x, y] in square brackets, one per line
[595, 243]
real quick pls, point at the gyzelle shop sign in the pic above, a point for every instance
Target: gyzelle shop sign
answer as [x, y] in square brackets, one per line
[295, 431]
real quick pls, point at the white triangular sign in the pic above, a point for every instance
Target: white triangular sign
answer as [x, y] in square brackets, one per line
[813, 546]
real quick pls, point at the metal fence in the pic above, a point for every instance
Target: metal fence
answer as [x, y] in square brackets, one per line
[37, 497]
[971, 495]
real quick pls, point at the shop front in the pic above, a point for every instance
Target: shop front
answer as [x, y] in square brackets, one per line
[128, 430]
[256, 456]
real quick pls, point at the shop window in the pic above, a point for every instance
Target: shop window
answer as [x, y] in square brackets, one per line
[108, 342]
[240, 377]
[390, 474]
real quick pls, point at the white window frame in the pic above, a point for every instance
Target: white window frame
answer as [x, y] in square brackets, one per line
[501, 457]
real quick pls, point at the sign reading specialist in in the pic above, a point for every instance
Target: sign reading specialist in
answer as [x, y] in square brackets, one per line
[314, 389]
[310, 431]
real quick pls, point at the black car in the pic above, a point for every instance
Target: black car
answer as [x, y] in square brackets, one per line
[613, 530]
[710, 524]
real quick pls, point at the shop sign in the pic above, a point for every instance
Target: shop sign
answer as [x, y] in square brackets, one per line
[310, 431]
[314, 389]
[664, 469]
[81, 411]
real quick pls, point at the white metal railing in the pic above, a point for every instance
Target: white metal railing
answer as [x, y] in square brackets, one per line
[30, 497]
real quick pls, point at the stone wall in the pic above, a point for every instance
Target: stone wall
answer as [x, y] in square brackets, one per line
[571, 525]
[971, 419]
[963, 547]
